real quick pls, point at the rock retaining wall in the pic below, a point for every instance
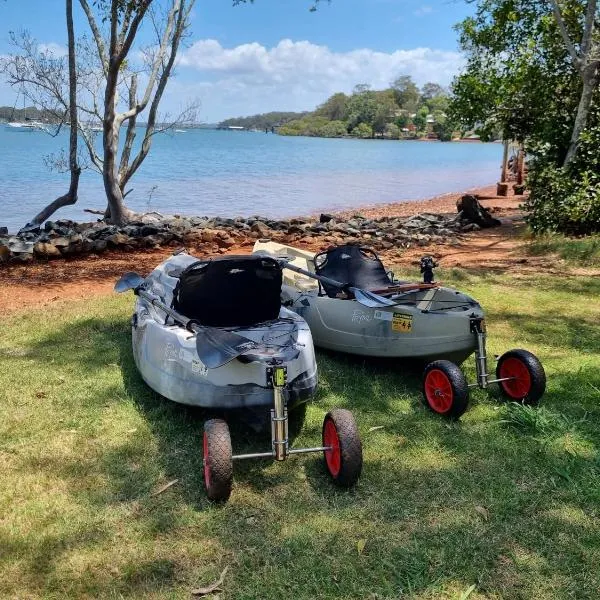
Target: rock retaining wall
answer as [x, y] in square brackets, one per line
[62, 238]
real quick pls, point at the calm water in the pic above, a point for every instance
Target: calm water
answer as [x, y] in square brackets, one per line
[205, 172]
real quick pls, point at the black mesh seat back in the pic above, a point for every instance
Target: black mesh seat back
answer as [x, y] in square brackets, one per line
[230, 291]
[354, 265]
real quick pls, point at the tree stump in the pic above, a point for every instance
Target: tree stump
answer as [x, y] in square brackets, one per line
[502, 189]
[472, 211]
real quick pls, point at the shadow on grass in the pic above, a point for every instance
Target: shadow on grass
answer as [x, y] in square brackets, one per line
[416, 505]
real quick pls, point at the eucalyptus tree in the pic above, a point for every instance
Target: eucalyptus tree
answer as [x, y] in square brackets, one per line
[533, 68]
[111, 62]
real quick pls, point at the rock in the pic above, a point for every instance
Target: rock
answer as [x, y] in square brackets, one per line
[260, 228]
[61, 242]
[416, 223]
[22, 258]
[118, 239]
[99, 245]
[325, 218]
[4, 253]
[17, 246]
[470, 227]
[46, 250]
[225, 242]
[472, 211]
[208, 235]
[151, 241]
[3, 230]
[147, 230]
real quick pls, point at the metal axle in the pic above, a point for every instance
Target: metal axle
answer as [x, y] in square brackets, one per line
[271, 454]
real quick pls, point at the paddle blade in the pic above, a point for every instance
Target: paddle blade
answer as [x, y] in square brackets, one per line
[370, 299]
[128, 281]
[217, 347]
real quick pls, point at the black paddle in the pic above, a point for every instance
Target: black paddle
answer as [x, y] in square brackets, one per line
[363, 297]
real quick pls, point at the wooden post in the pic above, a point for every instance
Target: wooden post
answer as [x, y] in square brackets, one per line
[520, 165]
[502, 187]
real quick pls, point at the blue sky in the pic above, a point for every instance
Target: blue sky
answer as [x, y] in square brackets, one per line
[275, 54]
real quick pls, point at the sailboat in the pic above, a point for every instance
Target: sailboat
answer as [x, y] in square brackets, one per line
[27, 124]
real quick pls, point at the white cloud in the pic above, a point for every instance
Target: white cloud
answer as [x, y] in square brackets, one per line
[423, 11]
[296, 75]
[57, 50]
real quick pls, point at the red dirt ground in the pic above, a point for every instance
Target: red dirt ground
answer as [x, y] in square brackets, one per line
[501, 248]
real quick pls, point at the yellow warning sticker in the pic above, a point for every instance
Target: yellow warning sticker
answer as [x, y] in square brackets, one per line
[402, 323]
[279, 376]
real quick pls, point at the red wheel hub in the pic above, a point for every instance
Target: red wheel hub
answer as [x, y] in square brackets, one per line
[520, 383]
[206, 459]
[333, 456]
[438, 391]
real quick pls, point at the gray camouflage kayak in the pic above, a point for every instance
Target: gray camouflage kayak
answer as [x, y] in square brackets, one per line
[213, 333]
[166, 353]
[421, 321]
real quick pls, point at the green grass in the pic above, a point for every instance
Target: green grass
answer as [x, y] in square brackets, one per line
[503, 504]
[584, 251]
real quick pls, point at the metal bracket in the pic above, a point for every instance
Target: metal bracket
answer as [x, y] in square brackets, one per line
[477, 325]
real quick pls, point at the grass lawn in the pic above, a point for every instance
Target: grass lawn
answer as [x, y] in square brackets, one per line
[503, 504]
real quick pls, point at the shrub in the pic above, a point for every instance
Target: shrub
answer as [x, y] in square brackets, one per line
[362, 130]
[567, 199]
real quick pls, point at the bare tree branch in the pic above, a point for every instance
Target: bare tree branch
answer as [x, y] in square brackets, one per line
[180, 27]
[95, 32]
[158, 59]
[588, 29]
[565, 34]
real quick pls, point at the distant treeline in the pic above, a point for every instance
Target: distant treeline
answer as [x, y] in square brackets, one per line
[8, 113]
[263, 121]
[401, 111]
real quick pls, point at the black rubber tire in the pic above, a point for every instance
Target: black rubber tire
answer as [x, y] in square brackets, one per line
[218, 463]
[454, 397]
[340, 422]
[296, 418]
[536, 372]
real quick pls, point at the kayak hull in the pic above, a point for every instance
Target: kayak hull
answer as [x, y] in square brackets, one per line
[427, 324]
[166, 356]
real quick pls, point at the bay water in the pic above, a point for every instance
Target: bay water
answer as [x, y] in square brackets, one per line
[231, 173]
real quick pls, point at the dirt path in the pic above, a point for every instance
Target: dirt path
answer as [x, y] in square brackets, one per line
[498, 249]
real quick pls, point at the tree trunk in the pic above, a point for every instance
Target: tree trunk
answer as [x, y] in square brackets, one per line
[590, 82]
[71, 196]
[67, 199]
[117, 210]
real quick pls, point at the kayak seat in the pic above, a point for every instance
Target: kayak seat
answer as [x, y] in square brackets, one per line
[353, 265]
[230, 291]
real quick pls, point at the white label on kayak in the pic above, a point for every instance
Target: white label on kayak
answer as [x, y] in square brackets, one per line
[199, 367]
[170, 353]
[383, 315]
[360, 316]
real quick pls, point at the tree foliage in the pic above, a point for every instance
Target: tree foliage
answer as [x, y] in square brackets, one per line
[527, 78]
[379, 112]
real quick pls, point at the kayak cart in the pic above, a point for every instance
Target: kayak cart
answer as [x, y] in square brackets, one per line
[213, 333]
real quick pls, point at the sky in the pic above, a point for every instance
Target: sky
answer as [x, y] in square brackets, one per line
[276, 54]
